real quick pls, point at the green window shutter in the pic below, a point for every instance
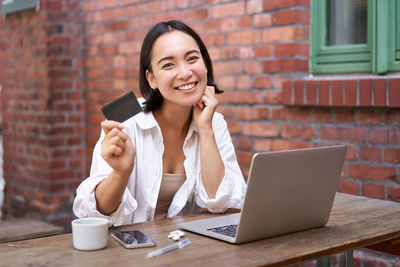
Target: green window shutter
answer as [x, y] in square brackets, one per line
[336, 58]
[394, 36]
[381, 44]
[381, 52]
[397, 29]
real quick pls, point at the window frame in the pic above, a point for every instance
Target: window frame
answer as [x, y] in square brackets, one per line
[380, 54]
[394, 38]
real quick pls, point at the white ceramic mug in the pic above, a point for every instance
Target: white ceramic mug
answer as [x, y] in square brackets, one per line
[90, 233]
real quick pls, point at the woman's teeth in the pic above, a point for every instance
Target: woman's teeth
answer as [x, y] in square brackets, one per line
[187, 87]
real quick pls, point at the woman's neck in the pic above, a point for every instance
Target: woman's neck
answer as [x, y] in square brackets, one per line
[173, 117]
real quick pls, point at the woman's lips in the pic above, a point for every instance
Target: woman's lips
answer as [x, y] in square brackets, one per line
[187, 87]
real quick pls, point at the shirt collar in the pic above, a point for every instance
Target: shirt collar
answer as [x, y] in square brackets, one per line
[146, 120]
[192, 129]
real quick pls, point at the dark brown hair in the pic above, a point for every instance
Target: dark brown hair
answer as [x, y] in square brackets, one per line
[153, 97]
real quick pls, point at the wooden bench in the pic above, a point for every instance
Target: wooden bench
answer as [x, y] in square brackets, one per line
[26, 228]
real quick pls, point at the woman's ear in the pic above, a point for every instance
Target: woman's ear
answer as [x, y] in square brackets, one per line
[151, 80]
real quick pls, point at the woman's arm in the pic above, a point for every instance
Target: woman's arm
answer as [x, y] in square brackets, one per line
[118, 151]
[109, 192]
[212, 167]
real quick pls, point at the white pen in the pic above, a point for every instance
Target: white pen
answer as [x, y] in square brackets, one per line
[163, 250]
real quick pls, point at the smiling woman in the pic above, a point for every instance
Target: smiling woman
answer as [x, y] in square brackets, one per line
[177, 157]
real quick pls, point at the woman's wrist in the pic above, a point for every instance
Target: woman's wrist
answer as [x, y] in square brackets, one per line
[122, 174]
[205, 131]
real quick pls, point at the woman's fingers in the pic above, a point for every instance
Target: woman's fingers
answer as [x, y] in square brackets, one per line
[107, 126]
[116, 132]
[201, 103]
[208, 98]
[116, 147]
[113, 143]
[113, 147]
[116, 150]
[209, 94]
[210, 90]
[111, 151]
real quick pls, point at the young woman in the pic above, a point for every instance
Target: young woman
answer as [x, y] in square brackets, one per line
[177, 156]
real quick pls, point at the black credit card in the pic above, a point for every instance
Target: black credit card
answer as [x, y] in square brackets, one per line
[122, 108]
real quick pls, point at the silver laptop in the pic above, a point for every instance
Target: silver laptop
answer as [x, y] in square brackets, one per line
[287, 191]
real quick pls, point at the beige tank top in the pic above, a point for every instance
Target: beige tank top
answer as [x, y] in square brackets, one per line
[170, 183]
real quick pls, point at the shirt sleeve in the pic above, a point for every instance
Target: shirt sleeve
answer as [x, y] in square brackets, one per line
[231, 191]
[85, 202]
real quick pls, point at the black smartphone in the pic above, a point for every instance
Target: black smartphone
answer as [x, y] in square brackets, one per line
[122, 108]
[133, 239]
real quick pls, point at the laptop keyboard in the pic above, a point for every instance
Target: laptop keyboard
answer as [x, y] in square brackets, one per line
[229, 230]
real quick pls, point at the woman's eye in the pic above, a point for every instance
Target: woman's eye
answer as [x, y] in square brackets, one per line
[193, 59]
[167, 65]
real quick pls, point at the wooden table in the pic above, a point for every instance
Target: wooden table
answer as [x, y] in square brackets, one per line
[26, 228]
[355, 222]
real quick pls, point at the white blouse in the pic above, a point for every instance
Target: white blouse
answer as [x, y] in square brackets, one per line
[139, 200]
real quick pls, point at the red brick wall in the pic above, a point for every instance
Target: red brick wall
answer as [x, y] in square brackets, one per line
[363, 113]
[42, 106]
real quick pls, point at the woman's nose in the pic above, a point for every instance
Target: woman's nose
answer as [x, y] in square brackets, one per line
[184, 72]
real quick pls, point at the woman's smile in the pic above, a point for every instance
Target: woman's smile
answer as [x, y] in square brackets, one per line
[187, 87]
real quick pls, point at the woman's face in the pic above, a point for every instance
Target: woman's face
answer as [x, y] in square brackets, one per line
[178, 68]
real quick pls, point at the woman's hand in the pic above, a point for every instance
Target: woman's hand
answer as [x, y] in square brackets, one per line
[117, 148]
[204, 109]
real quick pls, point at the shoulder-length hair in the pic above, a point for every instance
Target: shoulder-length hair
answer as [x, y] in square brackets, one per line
[153, 97]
